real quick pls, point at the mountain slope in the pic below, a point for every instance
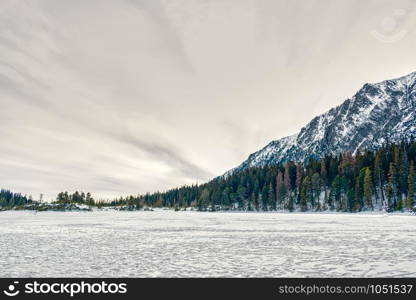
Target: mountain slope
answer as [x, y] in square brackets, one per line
[377, 113]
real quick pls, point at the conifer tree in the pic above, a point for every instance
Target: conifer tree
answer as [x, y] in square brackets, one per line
[272, 197]
[256, 202]
[251, 203]
[393, 186]
[280, 190]
[241, 196]
[287, 178]
[368, 188]
[299, 179]
[410, 201]
[315, 189]
[305, 193]
[203, 200]
[265, 197]
[379, 177]
[323, 171]
[357, 195]
[404, 172]
[290, 205]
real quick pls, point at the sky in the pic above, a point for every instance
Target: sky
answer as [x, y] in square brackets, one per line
[121, 97]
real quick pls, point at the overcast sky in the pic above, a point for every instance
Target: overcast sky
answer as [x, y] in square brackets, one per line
[132, 96]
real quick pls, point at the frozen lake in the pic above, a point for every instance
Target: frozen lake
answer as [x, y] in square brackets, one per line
[192, 244]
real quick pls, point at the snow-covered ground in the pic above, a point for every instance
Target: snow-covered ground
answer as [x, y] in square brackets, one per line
[192, 244]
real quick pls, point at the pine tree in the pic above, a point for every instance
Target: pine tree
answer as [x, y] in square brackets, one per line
[315, 189]
[241, 196]
[272, 197]
[357, 195]
[286, 178]
[225, 198]
[89, 199]
[280, 190]
[256, 201]
[404, 172]
[368, 188]
[323, 171]
[305, 194]
[299, 179]
[251, 202]
[396, 155]
[393, 185]
[378, 177]
[290, 205]
[265, 198]
[203, 200]
[333, 169]
[336, 194]
[410, 201]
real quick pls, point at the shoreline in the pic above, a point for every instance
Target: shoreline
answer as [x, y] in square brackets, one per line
[281, 212]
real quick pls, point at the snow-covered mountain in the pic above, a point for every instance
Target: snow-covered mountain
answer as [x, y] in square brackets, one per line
[377, 113]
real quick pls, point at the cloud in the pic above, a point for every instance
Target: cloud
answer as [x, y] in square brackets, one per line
[126, 97]
[169, 155]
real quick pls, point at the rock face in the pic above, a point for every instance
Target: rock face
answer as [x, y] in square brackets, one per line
[377, 113]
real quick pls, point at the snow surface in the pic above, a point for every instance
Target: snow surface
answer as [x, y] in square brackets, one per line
[193, 244]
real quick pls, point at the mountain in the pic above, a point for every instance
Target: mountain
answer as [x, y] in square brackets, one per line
[377, 113]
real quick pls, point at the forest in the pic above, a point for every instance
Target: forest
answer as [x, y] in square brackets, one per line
[10, 199]
[383, 179]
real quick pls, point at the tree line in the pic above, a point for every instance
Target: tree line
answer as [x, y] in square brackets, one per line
[368, 180]
[77, 197]
[382, 179]
[10, 199]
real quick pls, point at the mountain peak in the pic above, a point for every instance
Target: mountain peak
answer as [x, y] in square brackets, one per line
[407, 79]
[377, 113]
